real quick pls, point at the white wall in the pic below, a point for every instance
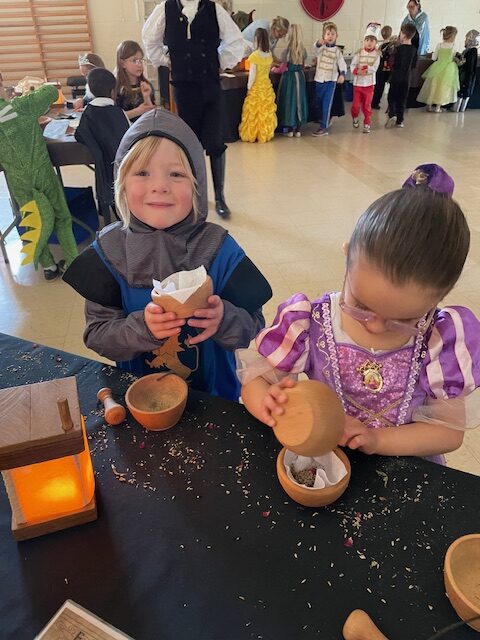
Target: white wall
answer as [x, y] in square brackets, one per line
[115, 20]
[112, 21]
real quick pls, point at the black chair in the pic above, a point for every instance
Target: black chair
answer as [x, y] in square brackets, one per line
[78, 84]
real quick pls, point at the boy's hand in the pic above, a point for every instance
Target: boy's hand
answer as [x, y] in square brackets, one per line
[271, 405]
[160, 324]
[208, 319]
[357, 436]
[341, 79]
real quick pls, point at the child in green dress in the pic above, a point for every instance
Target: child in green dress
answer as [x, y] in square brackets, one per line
[441, 78]
[292, 109]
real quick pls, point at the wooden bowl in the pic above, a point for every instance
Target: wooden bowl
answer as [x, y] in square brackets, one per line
[461, 573]
[314, 420]
[158, 400]
[198, 300]
[313, 497]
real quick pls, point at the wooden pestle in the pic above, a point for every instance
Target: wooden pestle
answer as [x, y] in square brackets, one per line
[114, 412]
[359, 626]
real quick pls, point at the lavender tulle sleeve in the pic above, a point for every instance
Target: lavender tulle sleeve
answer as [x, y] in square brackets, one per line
[283, 348]
[451, 375]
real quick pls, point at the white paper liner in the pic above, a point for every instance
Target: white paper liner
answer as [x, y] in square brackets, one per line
[330, 469]
[180, 285]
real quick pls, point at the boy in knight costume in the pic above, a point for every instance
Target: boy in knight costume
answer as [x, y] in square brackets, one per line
[161, 196]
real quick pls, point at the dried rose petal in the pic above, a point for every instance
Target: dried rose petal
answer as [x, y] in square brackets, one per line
[265, 514]
[142, 445]
[348, 542]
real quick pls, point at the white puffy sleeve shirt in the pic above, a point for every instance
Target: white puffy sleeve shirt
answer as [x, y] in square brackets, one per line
[230, 51]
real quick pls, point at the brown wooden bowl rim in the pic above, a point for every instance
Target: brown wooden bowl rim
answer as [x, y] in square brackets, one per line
[159, 412]
[343, 483]
[447, 567]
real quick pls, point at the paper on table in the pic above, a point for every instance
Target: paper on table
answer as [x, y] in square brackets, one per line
[73, 621]
[180, 285]
[330, 469]
[227, 75]
[56, 129]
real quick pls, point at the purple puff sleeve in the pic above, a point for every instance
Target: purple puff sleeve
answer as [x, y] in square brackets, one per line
[286, 343]
[452, 363]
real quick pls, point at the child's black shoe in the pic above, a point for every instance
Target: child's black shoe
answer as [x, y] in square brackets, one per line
[53, 274]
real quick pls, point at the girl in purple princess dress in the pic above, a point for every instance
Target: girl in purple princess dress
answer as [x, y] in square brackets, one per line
[405, 370]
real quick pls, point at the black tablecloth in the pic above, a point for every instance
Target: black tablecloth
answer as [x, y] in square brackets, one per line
[199, 540]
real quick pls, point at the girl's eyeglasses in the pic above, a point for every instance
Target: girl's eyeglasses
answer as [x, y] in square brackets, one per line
[137, 61]
[412, 328]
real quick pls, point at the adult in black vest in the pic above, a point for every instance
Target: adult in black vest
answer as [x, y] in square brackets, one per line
[196, 38]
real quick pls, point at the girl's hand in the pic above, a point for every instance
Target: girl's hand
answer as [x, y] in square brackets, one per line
[160, 324]
[78, 104]
[144, 87]
[146, 93]
[357, 436]
[208, 319]
[341, 79]
[271, 405]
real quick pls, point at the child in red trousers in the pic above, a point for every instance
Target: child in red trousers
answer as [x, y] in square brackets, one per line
[364, 68]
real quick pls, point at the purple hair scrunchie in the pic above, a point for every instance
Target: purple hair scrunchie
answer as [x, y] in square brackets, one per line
[433, 177]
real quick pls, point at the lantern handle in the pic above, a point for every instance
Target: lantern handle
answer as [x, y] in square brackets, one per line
[65, 417]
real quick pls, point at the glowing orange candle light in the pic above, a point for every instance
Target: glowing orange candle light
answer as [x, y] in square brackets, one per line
[45, 458]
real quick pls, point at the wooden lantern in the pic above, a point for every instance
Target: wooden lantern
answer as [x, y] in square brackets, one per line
[44, 458]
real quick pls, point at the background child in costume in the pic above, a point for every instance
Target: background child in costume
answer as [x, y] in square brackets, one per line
[161, 195]
[384, 68]
[404, 60]
[467, 69]
[331, 69]
[86, 63]
[32, 180]
[292, 107]
[392, 356]
[364, 69]
[259, 113]
[101, 128]
[441, 78]
[135, 94]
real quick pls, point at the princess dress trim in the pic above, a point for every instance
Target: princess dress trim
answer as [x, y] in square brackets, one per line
[317, 318]
[419, 352]
[332, 350]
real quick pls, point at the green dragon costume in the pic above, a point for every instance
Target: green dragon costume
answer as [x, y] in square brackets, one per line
[31, 178]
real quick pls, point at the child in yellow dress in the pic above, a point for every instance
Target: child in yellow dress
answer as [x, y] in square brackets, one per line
[259, 113]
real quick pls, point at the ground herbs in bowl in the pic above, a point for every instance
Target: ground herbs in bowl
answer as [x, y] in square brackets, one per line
[305, 477]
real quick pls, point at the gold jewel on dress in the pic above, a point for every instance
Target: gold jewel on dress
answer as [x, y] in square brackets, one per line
[372, 378]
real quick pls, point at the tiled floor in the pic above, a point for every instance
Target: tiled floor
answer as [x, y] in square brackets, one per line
[294, 203]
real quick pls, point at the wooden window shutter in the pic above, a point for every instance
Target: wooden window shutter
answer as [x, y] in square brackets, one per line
[42, 38]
